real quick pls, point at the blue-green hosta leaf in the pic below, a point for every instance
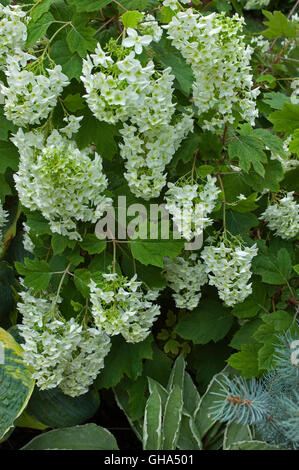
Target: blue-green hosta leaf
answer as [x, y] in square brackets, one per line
[55, 409]
[16, 383]
[86, 437]
[177, 374]
[235, 433]
[191, 396]
[189, 436]
[172, 418]
[152, 427]
[203, 419]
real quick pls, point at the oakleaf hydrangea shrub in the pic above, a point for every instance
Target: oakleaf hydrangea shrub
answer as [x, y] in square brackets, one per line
[149, 205]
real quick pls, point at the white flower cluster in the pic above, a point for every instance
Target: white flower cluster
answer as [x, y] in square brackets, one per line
[147, 153]
[53, 177]
[283, 217]
[256, 4]
[228, 269]
[30, 96]
[3, 220]
[119, 306]
[13, 31]
[295, 94]
[190, 206]
[141, 98]
[185, 277]
[215, 49]
[61, 353]
[288, 161]
[114, 88]
[149, 26]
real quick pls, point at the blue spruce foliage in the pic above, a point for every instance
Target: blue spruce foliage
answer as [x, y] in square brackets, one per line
[270, 404]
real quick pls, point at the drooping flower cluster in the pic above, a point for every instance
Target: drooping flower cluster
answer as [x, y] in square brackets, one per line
[185, 277]
[30, 96]
[3, 220]
[228, 269]
[61, 353]
[121, 89]
[283, 217]
[147, 153]
[53, 177]
[115, 88]
[215, 49]
[13, 31]
[119, 306]
[190, 206]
